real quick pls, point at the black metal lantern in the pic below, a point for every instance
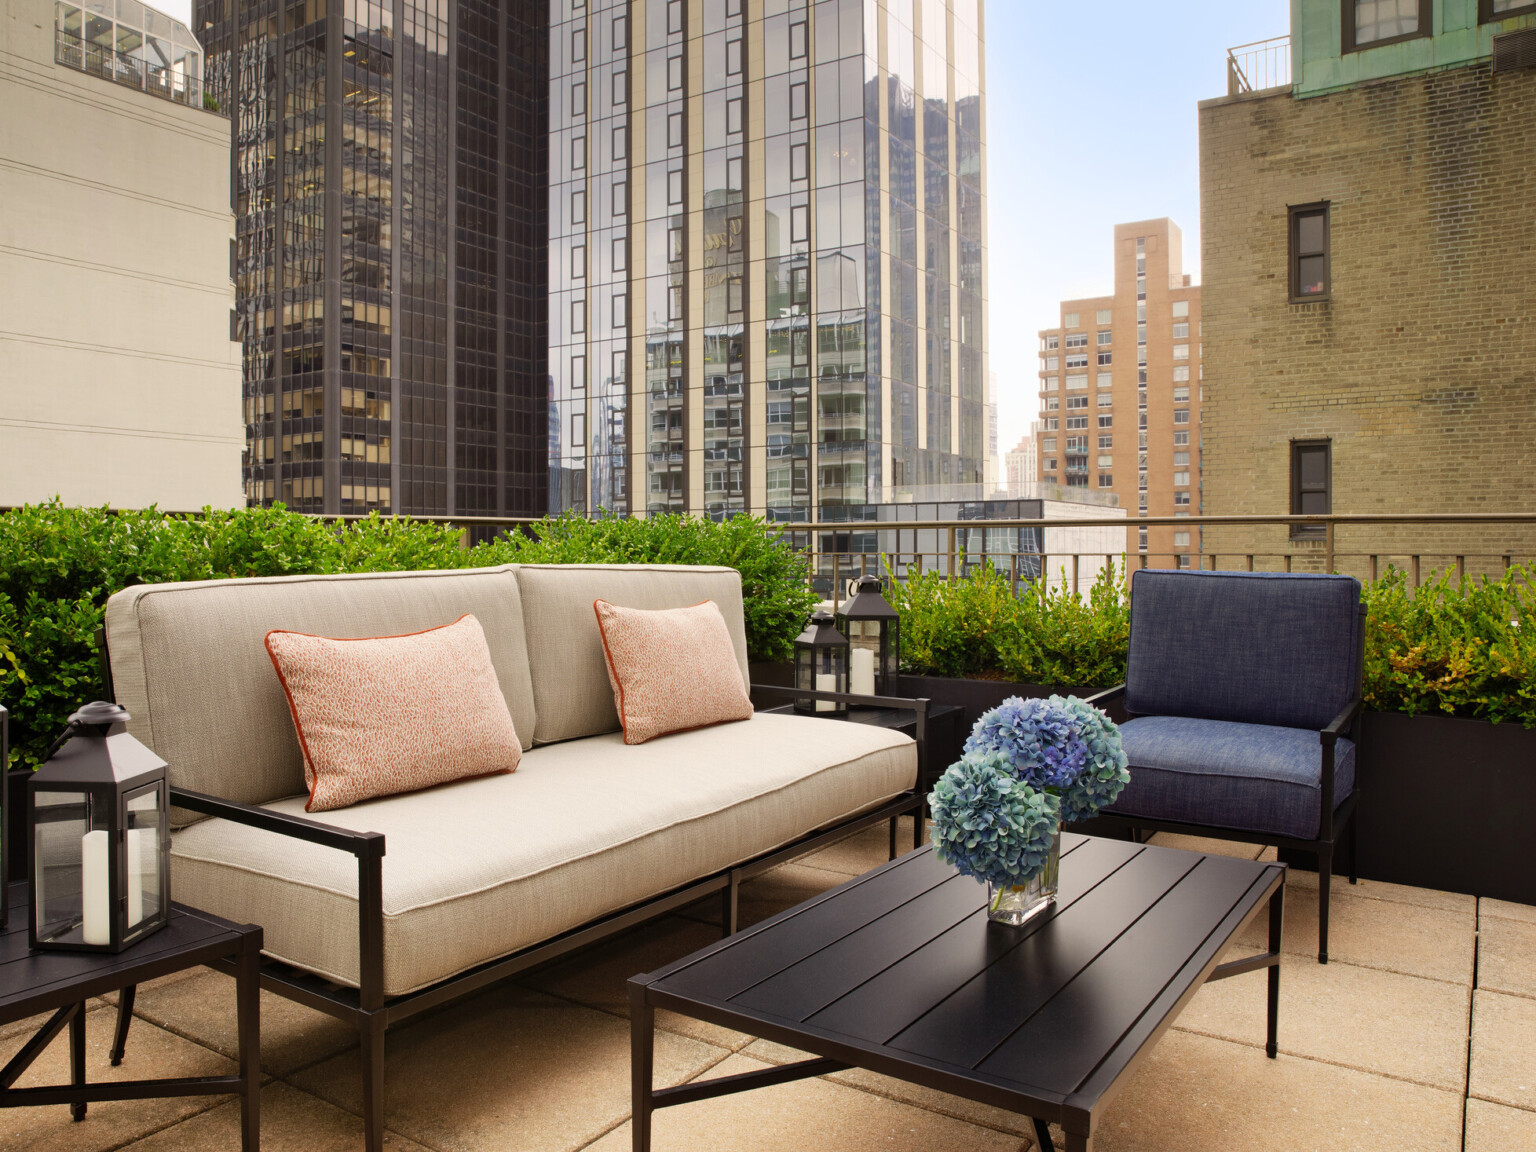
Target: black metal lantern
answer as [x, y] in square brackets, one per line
[872, 626]
[98, 816]
[821, 665]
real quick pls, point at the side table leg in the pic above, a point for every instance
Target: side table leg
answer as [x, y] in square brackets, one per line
[1076, 1143]
[248, 1014]
[641, 1070]
[1042, 1135]
[1276, 929]
[77, 1058]
[124, 1018]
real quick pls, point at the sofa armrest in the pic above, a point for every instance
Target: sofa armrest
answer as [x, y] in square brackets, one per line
[368, 847]
[310, 831]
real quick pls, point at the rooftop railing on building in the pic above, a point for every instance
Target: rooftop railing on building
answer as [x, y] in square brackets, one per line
[128, 69]
[1259, 66]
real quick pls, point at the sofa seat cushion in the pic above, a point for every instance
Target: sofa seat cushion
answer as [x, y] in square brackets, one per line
[1252, 777]
[478, 869]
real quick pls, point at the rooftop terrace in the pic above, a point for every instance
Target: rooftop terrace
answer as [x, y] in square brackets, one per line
[1415, 1036]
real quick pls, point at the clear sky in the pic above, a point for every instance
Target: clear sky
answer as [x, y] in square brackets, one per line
[1091, 121]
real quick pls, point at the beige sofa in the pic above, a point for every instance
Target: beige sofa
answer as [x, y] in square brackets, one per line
[484, 877]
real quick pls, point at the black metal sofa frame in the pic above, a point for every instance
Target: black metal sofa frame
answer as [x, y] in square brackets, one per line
[367, 1009]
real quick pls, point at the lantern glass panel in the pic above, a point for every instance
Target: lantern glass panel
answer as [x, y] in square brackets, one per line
[144, 856]
[889, 660]
[71, 868]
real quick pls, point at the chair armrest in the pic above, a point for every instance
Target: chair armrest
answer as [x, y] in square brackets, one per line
[1099, 699]
[1343, 720]
[360, 844]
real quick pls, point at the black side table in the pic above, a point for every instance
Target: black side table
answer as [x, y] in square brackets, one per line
[945, 735]
[36, 982]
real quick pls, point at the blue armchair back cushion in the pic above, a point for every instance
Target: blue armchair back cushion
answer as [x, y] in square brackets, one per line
[1274, 648]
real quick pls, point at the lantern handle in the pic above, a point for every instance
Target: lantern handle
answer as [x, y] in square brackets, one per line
[96, 714]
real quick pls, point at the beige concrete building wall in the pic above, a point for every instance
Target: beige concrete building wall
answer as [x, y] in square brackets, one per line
[1123, 371]
[118, 380]
[1420, 367]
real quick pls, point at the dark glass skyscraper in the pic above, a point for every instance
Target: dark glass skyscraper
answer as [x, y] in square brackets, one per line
[390, 172]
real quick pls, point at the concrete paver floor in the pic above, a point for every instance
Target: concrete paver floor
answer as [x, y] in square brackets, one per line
[1419, 1034]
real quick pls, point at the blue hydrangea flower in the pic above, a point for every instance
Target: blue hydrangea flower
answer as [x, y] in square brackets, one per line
[989, 824]
[1105, 768]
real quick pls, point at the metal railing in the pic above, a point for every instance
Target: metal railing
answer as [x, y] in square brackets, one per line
[124, 68]
[1421, 545]
[1259, 66]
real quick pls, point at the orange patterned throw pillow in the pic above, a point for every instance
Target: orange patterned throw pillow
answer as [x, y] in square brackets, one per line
[671, 670]
[393, 714]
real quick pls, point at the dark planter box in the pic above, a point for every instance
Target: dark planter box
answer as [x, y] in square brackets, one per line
[16, 822]
[1448, 804]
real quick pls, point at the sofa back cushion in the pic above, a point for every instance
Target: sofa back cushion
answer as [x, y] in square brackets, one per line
[190, 663]
[571, 691]
[1256, 647]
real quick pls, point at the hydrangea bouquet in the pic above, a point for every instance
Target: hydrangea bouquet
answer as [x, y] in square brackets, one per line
[1029, 766]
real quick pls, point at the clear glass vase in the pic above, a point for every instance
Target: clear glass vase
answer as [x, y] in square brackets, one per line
[1020, 903]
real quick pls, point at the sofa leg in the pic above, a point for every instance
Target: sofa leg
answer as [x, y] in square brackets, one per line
[371, 1034]
[1324, 875]
[729, 906]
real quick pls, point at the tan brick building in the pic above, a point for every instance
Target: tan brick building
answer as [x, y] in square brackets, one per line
[1371, 326]
[1120, 391]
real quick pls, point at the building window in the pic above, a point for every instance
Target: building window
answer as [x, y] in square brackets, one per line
[578, 207]
[800, 225]
[1048, 444]
[733, 57]
[620, 311]
[1077, 422]
[1310, 250]
[1182, 560]
[1052, 403]
[797, 41]
[675, 302]
[579, 152]
[675, 130]
[799, 161]
[1311, 484]
[1106, 441]
[1181, 415]
[1049, 466]
[578, 316]
[798, 104]
[1106, 480]
[1181, 351]
[1052, 343]
[1181, 479]
[1369, 23]
[1491, 10]
[1181, 331]
[1141, 334]
[1077, 359]
[1076, 383]
[620, 199]
[1181, 499]
[1077, 340]
[1181, 372]
[674, 17]
[1069, 319]
[1181, 539]
[1181, 395]
[1102, 316]
[578, 45]
[1106, 397]
[674, 73]
[1180, 309]
[733, 116]
[1105, 359]
[621, 143]
[1050, 424]
[674, 187]
[1181, 459]
[1107, 420]
[1050, 363]
[1077, 401]
[1106, 338]
[1180, 439]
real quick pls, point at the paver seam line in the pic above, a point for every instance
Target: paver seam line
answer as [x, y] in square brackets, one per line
[1284, 1051]
[1503, 1103]
[1477, 940]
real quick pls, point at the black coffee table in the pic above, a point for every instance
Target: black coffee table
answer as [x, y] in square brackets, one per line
[900, 972]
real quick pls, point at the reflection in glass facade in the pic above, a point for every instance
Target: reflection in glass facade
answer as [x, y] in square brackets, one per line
[773, 210]
[389, 167]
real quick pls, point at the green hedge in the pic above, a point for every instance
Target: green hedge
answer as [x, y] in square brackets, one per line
[58, 566]
[1457, 648]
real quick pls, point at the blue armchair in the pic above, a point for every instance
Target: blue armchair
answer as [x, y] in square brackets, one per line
[1243, 690]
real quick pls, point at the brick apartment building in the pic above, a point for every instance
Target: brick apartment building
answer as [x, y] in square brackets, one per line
[1120, 392]
[1369, 242]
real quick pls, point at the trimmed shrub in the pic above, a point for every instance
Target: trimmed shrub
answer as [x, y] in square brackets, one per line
[58, 566]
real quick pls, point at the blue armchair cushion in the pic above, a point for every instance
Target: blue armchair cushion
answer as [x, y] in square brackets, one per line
[1253, 777]
[1258, 647]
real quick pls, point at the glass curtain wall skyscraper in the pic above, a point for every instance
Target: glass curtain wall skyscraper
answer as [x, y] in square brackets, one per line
[767, 238]
[389, 174]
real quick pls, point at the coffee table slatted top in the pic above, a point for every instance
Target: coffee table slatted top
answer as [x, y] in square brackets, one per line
[900, 971]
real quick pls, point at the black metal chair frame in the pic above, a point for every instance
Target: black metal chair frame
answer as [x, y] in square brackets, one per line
[1332, 822]
[372, 1013]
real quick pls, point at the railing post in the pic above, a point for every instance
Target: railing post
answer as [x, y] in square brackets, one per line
[1461, 569]
[1328, 547]
[1414, 561]
[1013, 572]
[954, 554]
[1250, 561]
[1287, 561]
[1075, 558]
[837, 583]
[1374, 568]
[1508, 563]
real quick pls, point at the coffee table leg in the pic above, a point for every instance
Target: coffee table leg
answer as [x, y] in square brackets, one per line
[1042, 1134]
[248, 1014]
[641, 1056]
[77, 1057]
[1076, 1143]
[1276, 928]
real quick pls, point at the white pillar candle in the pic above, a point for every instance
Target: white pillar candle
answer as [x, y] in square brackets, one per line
[96, 887]
[137, 840]
[861, 672]
[826, 682]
